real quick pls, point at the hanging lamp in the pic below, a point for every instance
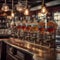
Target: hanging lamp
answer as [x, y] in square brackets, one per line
[26, 12]
[43, 8]
[5, 7]
[12, 12]
[19, 7]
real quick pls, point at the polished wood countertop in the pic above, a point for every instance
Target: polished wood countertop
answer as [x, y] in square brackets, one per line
[27, 47]
[32, 49]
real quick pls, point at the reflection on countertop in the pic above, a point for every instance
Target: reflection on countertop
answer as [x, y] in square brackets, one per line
[39, 52]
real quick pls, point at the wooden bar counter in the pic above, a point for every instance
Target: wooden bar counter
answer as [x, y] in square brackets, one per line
[30, 51]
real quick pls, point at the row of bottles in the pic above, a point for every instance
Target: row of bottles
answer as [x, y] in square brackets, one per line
[41, 26]
[34, 32]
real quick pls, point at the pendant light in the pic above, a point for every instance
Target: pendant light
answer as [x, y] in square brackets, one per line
[26, 12]
[43, 9]
[5, 7]
[19, 7]
[12, 13]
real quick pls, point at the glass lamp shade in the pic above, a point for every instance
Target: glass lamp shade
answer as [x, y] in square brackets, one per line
[43, 10]
[26, 12]
[19, 7]
[5, 7]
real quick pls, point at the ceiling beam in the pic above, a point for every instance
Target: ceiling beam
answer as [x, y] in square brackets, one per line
[52, 3]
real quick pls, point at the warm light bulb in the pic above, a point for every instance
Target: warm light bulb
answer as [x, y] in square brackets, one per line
[44, 10]
[26, 12]
[5, 8]
[19, 9]
[12, 14]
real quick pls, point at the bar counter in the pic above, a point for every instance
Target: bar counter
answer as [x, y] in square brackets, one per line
[31, 51]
